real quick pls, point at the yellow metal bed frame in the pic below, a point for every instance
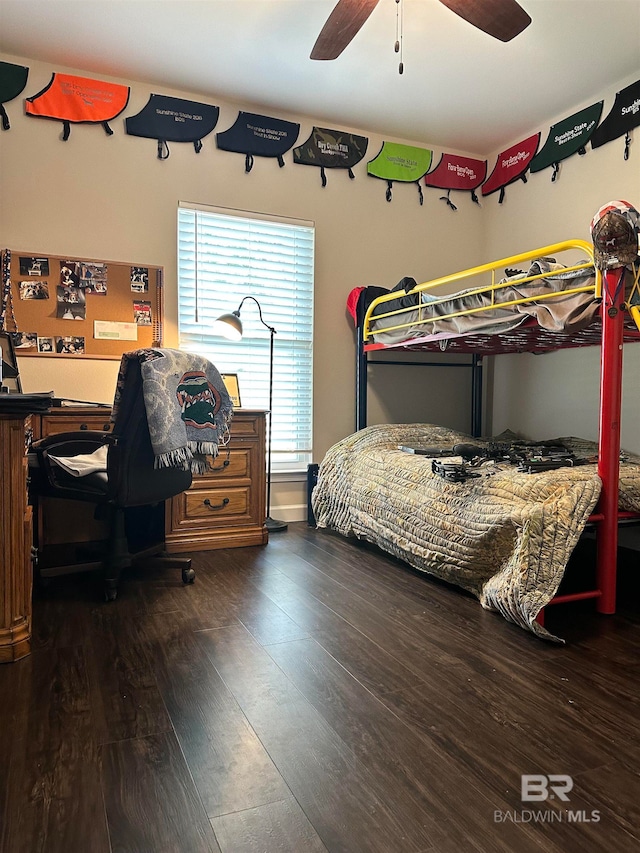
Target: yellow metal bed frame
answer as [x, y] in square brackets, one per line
[424, 309]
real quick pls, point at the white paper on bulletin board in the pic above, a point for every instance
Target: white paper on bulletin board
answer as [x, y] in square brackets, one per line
[106, 330]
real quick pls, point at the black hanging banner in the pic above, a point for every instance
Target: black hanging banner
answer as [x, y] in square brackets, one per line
[566, 138]
[258, 136]
[13, 79]
[331, 149]
[78, 100]
[511, 165]
[624, 116]
[168, 119]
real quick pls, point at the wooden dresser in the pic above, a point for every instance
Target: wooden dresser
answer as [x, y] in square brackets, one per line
[226, 507]
[15, 538]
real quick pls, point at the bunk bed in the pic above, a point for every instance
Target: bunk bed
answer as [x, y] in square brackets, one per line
[505, 536]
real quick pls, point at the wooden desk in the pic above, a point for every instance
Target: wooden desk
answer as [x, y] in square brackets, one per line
[16, 536]
[224, 508]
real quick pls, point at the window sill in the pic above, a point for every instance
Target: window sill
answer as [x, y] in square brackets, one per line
[288, 476]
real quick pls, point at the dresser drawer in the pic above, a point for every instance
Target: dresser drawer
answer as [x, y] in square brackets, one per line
[233, 463]
[212, 505]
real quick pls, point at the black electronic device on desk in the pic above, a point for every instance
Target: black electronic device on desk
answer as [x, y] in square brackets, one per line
[9, 373]
[11, 397]
[18, 402]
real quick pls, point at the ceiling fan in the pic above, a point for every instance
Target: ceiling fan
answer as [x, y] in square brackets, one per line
[502, 19]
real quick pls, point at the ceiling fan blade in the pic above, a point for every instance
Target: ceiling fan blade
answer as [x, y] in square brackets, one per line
[502, 19]
[341, 27]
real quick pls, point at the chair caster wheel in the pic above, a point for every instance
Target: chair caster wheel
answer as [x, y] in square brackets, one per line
[110, 593]
[188, 576]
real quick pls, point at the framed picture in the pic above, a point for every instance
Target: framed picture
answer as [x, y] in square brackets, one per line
[9, 374]
[231, 384]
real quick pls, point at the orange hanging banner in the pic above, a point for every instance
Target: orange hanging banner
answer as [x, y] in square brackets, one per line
[72, 99]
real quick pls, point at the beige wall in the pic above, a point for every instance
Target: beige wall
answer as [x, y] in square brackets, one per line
[111, 198]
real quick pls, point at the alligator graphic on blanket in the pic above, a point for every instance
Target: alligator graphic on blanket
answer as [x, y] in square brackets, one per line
[198, 399]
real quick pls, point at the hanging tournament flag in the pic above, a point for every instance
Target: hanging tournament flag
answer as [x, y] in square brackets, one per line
[258, 136]
[566, 137]
[624, 116]
[13, 79]
[168, 119]
[511, 165]
[331, 149]
[397, 162]
[454, 172]
[78, 100]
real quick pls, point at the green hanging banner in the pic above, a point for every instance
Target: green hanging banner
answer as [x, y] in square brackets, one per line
[13, 79]
[566, 138]
[398, 162]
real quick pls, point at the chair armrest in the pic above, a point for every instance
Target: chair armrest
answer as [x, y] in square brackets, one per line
[86, 440]
[48, 477]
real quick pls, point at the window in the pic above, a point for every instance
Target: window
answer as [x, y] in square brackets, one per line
[225, 255]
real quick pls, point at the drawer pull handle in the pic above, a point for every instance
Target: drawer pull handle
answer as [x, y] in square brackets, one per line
[211, 506]
[224, 464]
[106, 427]
[84, 426]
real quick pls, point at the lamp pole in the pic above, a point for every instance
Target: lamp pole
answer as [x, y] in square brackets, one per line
[234, 321]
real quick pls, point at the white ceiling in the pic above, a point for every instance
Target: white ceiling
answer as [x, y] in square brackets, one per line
[461, 89]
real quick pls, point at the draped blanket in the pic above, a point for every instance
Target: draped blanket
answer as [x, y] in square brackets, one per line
[187, 405]
[568, 313]
[506, 538]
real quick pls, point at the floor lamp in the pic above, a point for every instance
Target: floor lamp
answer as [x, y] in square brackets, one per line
[230, 327]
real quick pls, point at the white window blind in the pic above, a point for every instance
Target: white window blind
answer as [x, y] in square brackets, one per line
[224, 256]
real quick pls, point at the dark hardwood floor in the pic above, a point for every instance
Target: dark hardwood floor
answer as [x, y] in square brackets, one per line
[316, 695]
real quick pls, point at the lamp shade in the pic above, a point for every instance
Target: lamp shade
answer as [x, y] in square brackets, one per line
[229, 326]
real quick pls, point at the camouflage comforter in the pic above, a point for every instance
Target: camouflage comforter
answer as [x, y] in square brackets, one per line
[505, 537]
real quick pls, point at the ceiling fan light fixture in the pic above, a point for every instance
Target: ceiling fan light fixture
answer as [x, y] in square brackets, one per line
[502, 19]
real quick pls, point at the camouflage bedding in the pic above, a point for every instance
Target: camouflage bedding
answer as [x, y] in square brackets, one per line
[505, 537]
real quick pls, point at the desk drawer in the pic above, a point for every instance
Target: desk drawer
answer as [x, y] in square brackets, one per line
[73, 422]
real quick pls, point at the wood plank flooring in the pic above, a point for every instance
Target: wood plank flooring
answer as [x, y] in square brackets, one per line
[316, 695]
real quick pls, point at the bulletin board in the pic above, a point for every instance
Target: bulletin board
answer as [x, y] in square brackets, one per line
[69, 307]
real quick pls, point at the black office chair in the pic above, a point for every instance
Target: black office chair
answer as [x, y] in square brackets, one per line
[131, 480]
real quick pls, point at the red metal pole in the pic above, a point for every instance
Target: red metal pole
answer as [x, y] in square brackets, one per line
[609, 435]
